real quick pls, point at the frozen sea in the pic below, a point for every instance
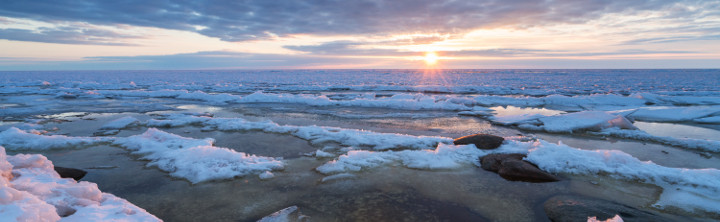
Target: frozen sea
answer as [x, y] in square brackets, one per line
[355, 145]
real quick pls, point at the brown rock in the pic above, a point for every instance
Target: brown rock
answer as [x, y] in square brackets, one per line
[512, 167]
[492, 162]
[481, 141]
[520, 170]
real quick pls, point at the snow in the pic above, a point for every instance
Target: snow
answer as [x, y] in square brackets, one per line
[121, 123]
[266, 175]
[515, 119]
[566, 123]
[443, 157]
[196, 160]
[679, 184]
[35, 192]
[16, 139]
[587, 120]
[314, 134]
[323, 154]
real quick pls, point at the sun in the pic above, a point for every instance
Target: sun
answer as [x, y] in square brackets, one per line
[431, 58]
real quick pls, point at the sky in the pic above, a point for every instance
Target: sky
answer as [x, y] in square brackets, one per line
[358, 34]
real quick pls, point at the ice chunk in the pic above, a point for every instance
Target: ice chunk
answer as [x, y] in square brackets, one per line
[674, 114]
[515, 119]
[709, 120]
[288, 214]
[586, 120]
[266, 175]
[314, 134]
[443, 157]
[195, 159]
[15, 138]
[698, 144]
[323, 154]
[120, 123]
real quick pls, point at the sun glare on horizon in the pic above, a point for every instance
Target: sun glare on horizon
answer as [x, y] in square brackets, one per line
[431, 58]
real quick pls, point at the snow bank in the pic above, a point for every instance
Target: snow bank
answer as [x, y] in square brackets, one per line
[195, 159]
[703, 185]
[37, 193]
[17, 139]
[120, 123]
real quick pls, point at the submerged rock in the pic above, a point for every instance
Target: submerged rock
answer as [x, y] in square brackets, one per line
[481, 141]
[76, 174]
[579, 208]
[512, 167]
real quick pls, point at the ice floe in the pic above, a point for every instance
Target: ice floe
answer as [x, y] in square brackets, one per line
[443, 157]
[674, 114]
[567, 123]
[314, 134]
[16, 139]
[684, 188]
[196, 159]
[697, 144]
[30, 190]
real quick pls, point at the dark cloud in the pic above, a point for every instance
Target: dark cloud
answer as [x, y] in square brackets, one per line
[66, 35]
[237, 20]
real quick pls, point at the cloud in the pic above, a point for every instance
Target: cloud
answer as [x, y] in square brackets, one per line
[357, 48]
[66, 35]
[238, 20]
[220, 60]
[347, 48]
[671, 39]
